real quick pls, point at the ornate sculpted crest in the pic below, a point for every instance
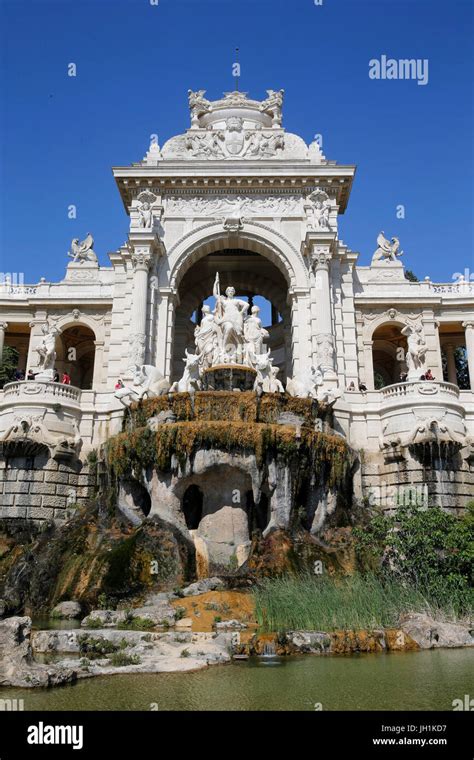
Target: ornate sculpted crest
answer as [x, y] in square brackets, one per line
[234, 136]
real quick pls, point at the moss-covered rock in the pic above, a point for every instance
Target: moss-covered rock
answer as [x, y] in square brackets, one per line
[94, 560]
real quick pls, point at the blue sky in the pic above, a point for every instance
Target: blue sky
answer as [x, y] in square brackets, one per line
[60, 135]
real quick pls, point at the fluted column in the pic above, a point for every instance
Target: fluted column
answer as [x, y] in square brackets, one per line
[450, 362]
[469, 328]
[3, 329]
[144, 244]
[141, 262]
[318, 247]
[324, 333]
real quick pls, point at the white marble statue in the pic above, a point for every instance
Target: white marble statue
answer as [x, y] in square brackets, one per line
[273, 105]
[416, 350]
[145, 216]
[266, 380]
[207, 336]
[254, 334]
[198, 105]
[191, 380]
[46, 351]
[229, 315]
[387, 250]
[148, 382]
[306, 383]
[83, 251]
[318, 212]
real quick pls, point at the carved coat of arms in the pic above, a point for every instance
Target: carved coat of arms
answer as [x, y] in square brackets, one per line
[234, 136]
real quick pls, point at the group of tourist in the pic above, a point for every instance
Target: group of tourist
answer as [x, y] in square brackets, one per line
[428, 375]
[362, 387]
[20, 375]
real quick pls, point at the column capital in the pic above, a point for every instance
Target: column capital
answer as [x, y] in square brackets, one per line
[141, 261]
[469, 324]
[3, 326]
[318, 244]
[145, 242]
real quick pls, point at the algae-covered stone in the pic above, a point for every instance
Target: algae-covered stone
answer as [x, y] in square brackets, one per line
[66, 611]
[202, 586]
[17, 666]
[432, 634]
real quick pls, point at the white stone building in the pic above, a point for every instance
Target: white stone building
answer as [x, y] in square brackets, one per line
[239, 195]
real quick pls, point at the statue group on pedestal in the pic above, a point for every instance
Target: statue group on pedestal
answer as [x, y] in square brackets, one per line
[227, 337]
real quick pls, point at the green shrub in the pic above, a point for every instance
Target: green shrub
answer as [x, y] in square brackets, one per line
[96, 647]
[136, 624]
[121, 660]
[429, 549]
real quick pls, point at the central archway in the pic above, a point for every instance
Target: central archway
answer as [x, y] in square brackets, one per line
[255, 279]
[258, 261]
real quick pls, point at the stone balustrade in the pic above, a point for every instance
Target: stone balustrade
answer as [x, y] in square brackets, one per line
[40, 391]
[419, 389]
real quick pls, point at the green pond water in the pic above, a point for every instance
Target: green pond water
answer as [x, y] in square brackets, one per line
[427, 680]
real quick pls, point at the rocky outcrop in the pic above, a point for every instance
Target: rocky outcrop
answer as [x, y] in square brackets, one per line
[17, 667]
[107, 652]
[230, 625]
[105, 619]
[67, 611]
[91, 559]
[202, 586]
[156, 613]
[305, 642]
[433, 634]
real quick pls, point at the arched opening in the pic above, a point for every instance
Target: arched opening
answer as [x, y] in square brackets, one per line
[388, 352]
[75, 349]
[257, 280]
[192, 506]
[452, 341]
[17, 337]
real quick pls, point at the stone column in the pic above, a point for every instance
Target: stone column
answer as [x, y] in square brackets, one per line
[137, 339]
[469, 328]
[299, 301]
[144, 243]
[99, 375]
[451, 364]
[3, 329]
[324, 336]
[369, 364]
[318, 247]
[167, 302]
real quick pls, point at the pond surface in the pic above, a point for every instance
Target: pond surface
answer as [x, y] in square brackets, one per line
[427, 680]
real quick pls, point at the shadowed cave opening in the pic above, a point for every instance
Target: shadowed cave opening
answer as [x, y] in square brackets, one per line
[192, 506]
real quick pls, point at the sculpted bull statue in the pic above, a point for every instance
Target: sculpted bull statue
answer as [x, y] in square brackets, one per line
[306, 384]
[190, 381]
[148, 382]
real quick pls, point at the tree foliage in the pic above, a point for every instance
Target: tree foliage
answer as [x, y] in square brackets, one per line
[428, 548]
[8, 365]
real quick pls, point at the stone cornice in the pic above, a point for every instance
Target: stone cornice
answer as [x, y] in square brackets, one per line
[202, 175]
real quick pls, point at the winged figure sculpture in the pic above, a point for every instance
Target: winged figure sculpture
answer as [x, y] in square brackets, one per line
[388, 250]
[83, 251]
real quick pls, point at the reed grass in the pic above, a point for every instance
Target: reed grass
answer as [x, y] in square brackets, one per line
[307, 602]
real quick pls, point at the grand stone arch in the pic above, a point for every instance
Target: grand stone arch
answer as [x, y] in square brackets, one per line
[254, 238]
